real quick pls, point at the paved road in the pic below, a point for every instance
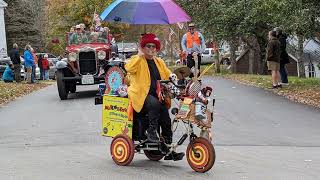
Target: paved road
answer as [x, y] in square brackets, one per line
[258, 135]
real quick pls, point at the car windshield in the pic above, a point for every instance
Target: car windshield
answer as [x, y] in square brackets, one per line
[87, 37]
[4, 62]
[206, 51]
[127, 47]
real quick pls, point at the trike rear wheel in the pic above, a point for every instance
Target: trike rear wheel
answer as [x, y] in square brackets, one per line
[122, 150]
[202, 158]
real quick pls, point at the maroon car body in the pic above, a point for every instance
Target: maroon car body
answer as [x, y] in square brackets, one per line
[85, 62]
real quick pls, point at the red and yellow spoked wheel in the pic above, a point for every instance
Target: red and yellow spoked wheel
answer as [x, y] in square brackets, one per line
[204, 156]
[122, 150]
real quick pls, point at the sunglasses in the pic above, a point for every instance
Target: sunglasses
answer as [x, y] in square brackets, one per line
[150, 46]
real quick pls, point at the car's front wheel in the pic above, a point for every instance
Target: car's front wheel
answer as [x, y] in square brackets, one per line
[73, 87]
[62, 89]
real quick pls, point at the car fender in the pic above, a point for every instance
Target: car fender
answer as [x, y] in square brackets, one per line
[61, 64]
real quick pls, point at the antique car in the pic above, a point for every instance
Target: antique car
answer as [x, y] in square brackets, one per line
[126, 50]
[87, 58]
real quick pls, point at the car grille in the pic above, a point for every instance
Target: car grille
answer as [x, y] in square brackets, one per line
[87, 63]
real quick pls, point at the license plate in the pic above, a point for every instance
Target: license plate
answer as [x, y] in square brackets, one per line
[87, 79]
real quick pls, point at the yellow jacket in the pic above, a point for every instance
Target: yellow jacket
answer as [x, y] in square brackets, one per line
[139, 77]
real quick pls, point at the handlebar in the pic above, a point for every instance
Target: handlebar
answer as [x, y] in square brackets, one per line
[165, 81]
[169, 81]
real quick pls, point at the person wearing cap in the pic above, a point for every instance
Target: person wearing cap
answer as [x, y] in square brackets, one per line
[79, 36]
[45, 67]
[8, 73]
[145, 69]
[193, 42]
[284, 57]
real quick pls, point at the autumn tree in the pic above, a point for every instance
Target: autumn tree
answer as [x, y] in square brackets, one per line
[24, 23]
[250, 20]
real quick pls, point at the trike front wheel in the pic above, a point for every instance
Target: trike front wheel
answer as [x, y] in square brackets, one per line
[201, 155]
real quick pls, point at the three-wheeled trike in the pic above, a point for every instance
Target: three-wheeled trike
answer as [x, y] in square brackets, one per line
[191, 112]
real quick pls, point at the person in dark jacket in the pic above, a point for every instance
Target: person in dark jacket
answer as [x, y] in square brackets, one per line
[273, 59]
[40, 60]
[8, 73]
[284, 57]
[15, 58]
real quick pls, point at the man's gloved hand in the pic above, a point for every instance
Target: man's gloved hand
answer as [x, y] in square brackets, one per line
[173, 77]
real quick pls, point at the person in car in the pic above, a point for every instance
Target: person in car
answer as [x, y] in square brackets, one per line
[79, 36]
[145, 70]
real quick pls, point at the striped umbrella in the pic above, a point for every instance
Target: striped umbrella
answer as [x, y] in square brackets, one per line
[145, 12]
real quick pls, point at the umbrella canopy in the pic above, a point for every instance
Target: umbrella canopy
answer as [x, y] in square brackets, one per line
[145, 12]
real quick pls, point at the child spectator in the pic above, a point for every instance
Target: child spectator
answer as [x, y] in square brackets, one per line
[45, 67]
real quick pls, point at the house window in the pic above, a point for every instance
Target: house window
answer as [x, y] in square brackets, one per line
[311, 70]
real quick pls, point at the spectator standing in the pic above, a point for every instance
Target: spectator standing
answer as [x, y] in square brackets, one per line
[273, 59]
[193, 42]
[284, 57]
[183, 57]
[45, 67]
[34, 66]
[28, 63]
[40, 66]
[15, 58]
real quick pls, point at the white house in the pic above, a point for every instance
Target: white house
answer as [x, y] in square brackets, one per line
[311, 51]
[3, 40]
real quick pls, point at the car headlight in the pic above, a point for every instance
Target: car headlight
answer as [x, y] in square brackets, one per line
[102, 55]
[72, 56]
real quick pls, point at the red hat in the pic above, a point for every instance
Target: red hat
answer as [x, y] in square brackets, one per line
[150, 38]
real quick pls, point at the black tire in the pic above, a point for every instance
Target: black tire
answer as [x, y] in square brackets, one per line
[73, 87]
[153, 155]
[55, 76]
[62, 88]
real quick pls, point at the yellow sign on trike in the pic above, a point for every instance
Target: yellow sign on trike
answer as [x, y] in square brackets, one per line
[115, 117]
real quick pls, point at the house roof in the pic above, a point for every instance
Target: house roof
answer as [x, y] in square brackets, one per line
[242, 54]
[3, 4]
[311, 48]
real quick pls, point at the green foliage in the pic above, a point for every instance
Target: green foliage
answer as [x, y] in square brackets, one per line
[236, 18]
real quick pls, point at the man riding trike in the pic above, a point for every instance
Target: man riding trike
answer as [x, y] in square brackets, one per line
[151, 88]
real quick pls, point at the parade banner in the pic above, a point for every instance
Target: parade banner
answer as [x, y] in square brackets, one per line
[115, 117]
